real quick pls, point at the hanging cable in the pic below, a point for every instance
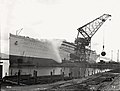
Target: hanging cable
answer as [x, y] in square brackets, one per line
[103, 41]
[103, 53]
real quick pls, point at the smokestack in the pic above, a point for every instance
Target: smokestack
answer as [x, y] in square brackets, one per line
[118, 56]
[111, 55]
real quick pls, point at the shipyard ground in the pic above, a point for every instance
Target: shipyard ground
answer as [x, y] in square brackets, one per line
[107, 81]
[90, 65]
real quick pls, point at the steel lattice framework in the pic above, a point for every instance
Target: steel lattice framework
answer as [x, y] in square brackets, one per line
[87, 31]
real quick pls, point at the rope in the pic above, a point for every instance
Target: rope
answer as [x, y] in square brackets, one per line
[103, 40]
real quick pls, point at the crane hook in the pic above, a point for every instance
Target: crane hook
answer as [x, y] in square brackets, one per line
[103, 53]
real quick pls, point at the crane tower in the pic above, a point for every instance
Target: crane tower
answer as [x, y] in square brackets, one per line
[83, 44]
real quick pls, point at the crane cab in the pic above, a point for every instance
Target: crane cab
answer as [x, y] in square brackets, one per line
[82, 41]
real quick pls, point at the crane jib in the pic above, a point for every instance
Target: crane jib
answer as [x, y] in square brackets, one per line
[87, 31]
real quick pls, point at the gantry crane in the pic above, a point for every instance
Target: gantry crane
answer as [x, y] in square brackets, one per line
[87, 31]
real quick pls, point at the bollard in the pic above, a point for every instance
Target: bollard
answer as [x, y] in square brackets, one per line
[19, 74]
[35, 76]
[51, 73]
[63, 76]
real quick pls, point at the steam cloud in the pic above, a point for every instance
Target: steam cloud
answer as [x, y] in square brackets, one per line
[55, 50]
[53, 46]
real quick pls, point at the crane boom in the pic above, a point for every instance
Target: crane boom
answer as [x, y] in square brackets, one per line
[89, 29]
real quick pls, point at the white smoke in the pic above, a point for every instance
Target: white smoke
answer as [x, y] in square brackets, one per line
[53, 46]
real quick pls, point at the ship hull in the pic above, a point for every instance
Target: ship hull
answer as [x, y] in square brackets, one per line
[25, 51]
[30, 61]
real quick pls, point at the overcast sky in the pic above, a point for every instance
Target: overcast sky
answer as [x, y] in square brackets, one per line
[59, 19]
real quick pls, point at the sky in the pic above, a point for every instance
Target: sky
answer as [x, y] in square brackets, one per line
[60, 19]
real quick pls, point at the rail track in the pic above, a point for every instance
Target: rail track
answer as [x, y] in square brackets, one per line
[94, 83]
